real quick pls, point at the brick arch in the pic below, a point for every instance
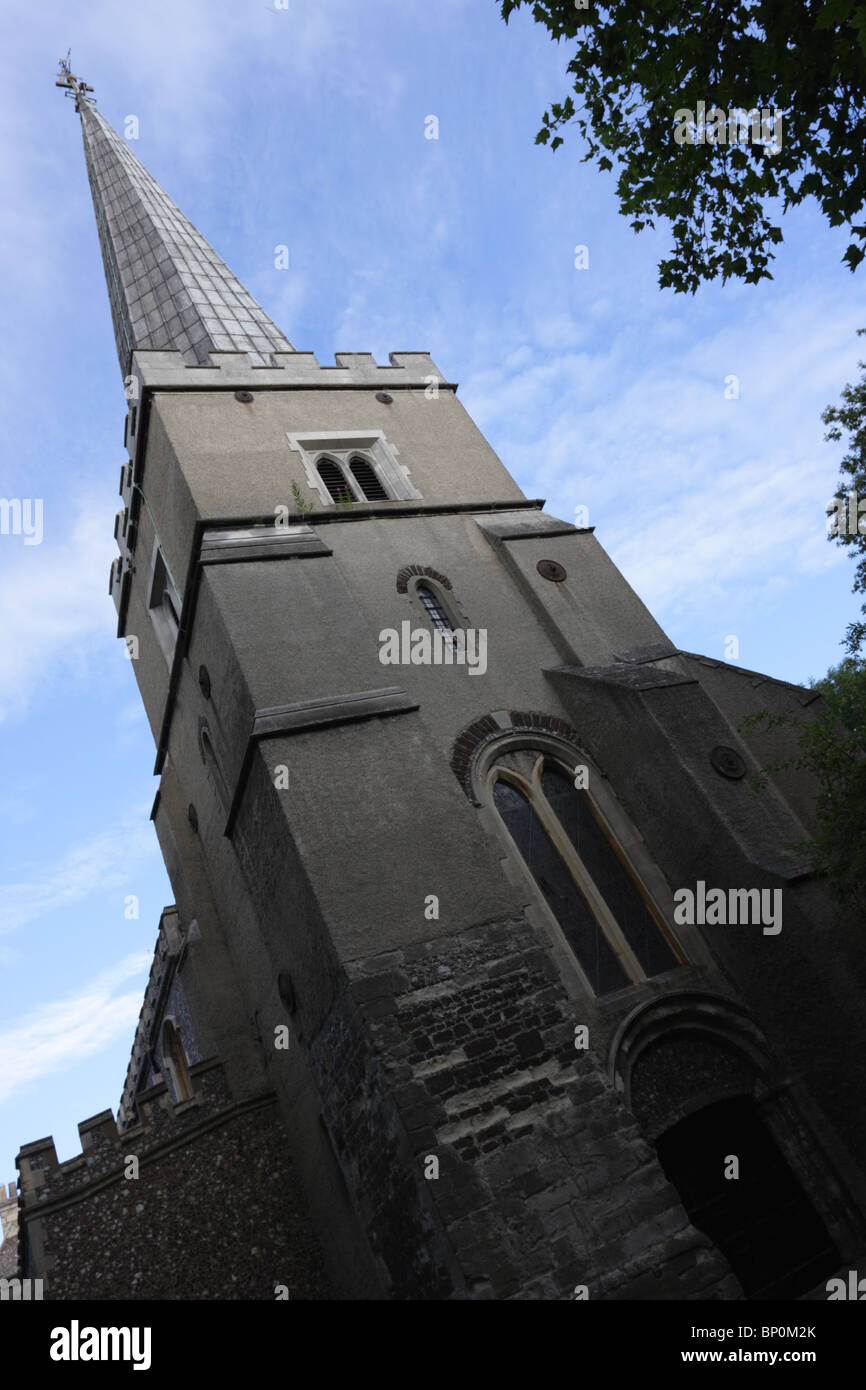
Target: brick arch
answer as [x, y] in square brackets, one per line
[690, 1012]
[690, 1065]
[409, 571]
[469, 743]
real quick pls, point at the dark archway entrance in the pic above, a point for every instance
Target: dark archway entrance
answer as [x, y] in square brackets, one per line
[774, 1240]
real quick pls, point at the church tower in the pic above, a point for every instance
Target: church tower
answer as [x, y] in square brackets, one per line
[445, 810]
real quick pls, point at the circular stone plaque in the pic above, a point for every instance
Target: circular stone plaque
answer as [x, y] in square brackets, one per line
[551, 569]
[728, 762]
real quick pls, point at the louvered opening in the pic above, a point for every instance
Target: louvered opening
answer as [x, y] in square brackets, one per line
[368, 480]
[334, 479]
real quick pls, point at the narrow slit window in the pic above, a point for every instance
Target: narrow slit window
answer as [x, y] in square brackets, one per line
[434, 609]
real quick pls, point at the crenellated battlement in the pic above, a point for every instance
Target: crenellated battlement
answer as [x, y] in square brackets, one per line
[105, 1146]
[166, 368]
[171, 1207]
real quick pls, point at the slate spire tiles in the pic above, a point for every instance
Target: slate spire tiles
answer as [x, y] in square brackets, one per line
[167, 287]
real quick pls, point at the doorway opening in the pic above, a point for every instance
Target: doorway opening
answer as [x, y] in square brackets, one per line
[775, 1241]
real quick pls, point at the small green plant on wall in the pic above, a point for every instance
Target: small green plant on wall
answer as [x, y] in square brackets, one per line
[301, 505]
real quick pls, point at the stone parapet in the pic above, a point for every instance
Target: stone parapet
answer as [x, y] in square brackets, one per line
[164, 370]
[195, 1201]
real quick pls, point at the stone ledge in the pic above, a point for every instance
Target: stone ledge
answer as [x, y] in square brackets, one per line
[333, 709]
[220, 547]
[306, 715]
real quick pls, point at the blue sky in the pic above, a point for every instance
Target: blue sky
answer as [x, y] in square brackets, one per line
[306, 127]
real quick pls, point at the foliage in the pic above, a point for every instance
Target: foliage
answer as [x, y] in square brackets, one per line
[850, 418]
[637, 61]
[832, 748]
[301, 505]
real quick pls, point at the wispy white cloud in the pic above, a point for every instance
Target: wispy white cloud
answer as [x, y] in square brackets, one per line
[55, 614]
[58, 1035]
[729, 535]
[103, 861]
[707, 504]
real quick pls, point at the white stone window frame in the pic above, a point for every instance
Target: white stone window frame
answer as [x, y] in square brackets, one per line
[342, 446]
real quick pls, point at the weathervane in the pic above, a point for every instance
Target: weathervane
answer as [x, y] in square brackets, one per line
[74, 88]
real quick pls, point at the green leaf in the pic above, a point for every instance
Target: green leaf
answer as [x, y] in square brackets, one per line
[632, 67]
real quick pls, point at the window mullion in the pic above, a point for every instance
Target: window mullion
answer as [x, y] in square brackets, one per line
[586, 885]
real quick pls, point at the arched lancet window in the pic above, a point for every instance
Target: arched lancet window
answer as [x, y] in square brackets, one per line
[434, 607]
[603, 910]
[175, 1061]
[368, 480]
[334, 479]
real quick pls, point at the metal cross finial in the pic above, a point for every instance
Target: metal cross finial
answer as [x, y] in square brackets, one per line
[74, 88]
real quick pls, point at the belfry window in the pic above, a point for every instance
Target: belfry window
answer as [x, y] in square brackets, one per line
[600, 905]
[368, 480]
[359, 463]
[334, 479]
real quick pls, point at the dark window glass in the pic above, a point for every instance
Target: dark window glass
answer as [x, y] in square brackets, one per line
[574, 810]
[334, 479]
[368, 481]
[435, 612]
[568, 905]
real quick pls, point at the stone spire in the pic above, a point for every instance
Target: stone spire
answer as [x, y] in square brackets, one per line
[167, 287]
